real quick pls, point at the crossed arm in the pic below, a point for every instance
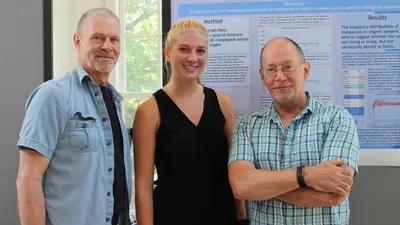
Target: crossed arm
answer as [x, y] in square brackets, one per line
[310, 197]
[313, 198]
[328, 182]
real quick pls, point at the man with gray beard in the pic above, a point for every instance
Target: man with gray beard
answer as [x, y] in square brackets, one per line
[75, 165]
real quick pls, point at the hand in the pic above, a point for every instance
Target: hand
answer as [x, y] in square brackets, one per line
[336, 199]
[329, 176]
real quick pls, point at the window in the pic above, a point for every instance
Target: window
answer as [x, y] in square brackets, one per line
[139, 72]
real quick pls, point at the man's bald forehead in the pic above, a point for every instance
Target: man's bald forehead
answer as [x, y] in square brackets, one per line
[285, 39]
[278, 39]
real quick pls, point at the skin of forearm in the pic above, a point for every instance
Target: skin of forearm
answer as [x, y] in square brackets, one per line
[310, 197]
[144, 208]
[254, 184]
[240, 209]
[31, 202]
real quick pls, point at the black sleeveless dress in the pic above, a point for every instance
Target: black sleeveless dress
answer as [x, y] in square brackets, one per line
[191, 162]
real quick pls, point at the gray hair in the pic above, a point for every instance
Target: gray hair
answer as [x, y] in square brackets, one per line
[96, 11]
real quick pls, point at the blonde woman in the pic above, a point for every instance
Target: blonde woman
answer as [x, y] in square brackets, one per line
[185, 130]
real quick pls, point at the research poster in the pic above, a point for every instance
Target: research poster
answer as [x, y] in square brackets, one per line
[353, 48]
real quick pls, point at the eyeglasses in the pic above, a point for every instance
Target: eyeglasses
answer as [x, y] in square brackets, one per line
[287, 69]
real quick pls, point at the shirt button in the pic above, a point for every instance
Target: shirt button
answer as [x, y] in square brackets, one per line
[97, 93]
[109, 143]
[288, 219]
[108, 193]
[84, 125]
[104, 119]
[109, 169]
[108, 220]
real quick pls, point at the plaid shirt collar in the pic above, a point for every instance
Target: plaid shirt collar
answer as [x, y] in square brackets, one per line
[270, 111]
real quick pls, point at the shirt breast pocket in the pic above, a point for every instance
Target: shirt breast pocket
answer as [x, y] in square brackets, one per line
[82, 134]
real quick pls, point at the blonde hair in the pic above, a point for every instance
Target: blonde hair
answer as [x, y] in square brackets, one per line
[186, 25]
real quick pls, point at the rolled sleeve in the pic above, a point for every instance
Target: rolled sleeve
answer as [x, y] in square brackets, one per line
[45, 119]
[342, 140]
[241, 147]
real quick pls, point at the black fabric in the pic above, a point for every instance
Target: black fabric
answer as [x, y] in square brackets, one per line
[115, 219]
[191, 163]
[119, 185]
[242, 222]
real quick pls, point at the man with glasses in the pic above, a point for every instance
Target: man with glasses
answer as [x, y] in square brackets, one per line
[295, 159]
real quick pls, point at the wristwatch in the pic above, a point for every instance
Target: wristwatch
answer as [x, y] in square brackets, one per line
[300, 177]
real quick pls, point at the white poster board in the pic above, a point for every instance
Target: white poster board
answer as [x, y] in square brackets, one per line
[353, 47]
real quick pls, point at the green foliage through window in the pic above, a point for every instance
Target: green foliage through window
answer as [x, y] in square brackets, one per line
[130, 106]
[142, 17]
[143, 72]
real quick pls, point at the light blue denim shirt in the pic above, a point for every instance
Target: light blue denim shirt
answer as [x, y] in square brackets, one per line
[67, 121]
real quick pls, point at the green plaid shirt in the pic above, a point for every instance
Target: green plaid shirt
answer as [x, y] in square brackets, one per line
[319, 133]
